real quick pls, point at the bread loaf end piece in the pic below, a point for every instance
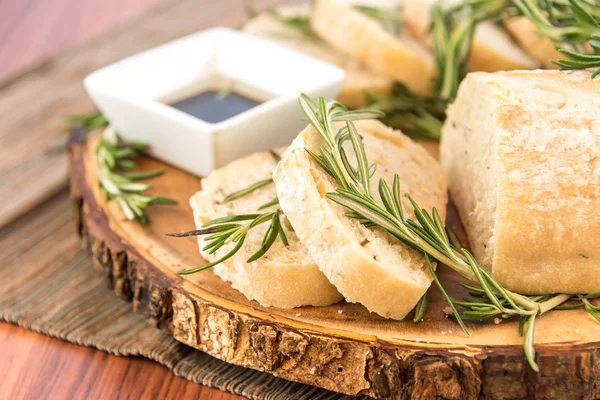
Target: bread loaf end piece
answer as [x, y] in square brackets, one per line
[521, 152]
[367, 265]
[398, 58]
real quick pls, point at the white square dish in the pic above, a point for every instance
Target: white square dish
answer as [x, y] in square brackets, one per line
[131, 93]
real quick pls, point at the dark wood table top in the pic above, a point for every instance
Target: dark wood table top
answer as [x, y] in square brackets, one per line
[33, 366]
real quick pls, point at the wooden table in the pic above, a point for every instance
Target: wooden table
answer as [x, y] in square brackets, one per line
[33, 365]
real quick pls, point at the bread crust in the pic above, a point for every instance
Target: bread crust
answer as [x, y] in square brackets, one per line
[286, 276]
[492, 49]
[368, 266]
[358, 81]
[545, 137]
[538, 47]
[398, 58]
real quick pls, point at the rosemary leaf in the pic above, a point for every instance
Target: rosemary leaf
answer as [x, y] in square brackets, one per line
[246, 191]
[449, 300]
[528, 343]
[137, 176]
[271, 203]
[421, 308]
[227, 256]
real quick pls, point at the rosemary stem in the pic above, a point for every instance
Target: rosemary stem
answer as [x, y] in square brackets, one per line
[553, 303]
[460, 266]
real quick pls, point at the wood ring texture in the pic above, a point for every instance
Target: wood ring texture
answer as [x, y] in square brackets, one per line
[342, 347]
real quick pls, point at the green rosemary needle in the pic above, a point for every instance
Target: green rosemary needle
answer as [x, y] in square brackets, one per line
[421, 308]
[247, 190]
[115, 156]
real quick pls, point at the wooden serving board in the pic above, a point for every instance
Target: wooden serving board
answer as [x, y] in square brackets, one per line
[342, 347]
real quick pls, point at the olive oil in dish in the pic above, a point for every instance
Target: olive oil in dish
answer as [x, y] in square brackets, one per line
[217, 101]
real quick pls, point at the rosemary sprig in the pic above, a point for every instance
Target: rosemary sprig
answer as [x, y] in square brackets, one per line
[234, 229]
[226, 230]
[427, 234]
[115, 156]
[415, 116]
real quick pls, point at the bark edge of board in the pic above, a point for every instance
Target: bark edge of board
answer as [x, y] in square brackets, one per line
[380, 370]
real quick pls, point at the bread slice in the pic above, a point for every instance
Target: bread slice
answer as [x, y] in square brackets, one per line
[492, 49]
[398, 58]
[538, 47]
[359, 79]
[367, 265]
[286, 276]
[521, 151]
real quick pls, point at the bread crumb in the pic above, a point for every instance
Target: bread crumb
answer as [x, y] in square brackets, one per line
[297, 315]
[497, 321]
[448, 310]
[340, 312]
[418, 340]
[443, 333]
[577, 330]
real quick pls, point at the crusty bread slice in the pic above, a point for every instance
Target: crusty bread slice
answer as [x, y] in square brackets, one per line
[399, 58]
[367, 265]
[521, 151]
[359, 79]
[286, 276]
[493, 50]
[538, 47]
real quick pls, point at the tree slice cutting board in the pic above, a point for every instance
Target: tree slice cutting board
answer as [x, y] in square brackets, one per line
[342, 347]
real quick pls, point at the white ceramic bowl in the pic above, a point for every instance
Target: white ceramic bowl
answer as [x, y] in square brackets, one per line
[129, 93]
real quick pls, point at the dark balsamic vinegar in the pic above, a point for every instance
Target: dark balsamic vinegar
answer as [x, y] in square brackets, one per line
[211, 106]
[217, 101]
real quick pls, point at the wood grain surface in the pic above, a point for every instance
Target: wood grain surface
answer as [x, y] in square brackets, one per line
[36, 92]
[34, 366]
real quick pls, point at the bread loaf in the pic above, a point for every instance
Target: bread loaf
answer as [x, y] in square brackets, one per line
[367, 265]
[492, 49]
[398, 58]
[359, 79]
[286, 276]
[521, 152]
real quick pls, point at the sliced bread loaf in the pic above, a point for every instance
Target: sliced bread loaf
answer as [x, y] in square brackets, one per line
[493, 50]
[359, 79]
[521, 152]
[367, 265]
[398, 58]
[537, 46]
[286, 276]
